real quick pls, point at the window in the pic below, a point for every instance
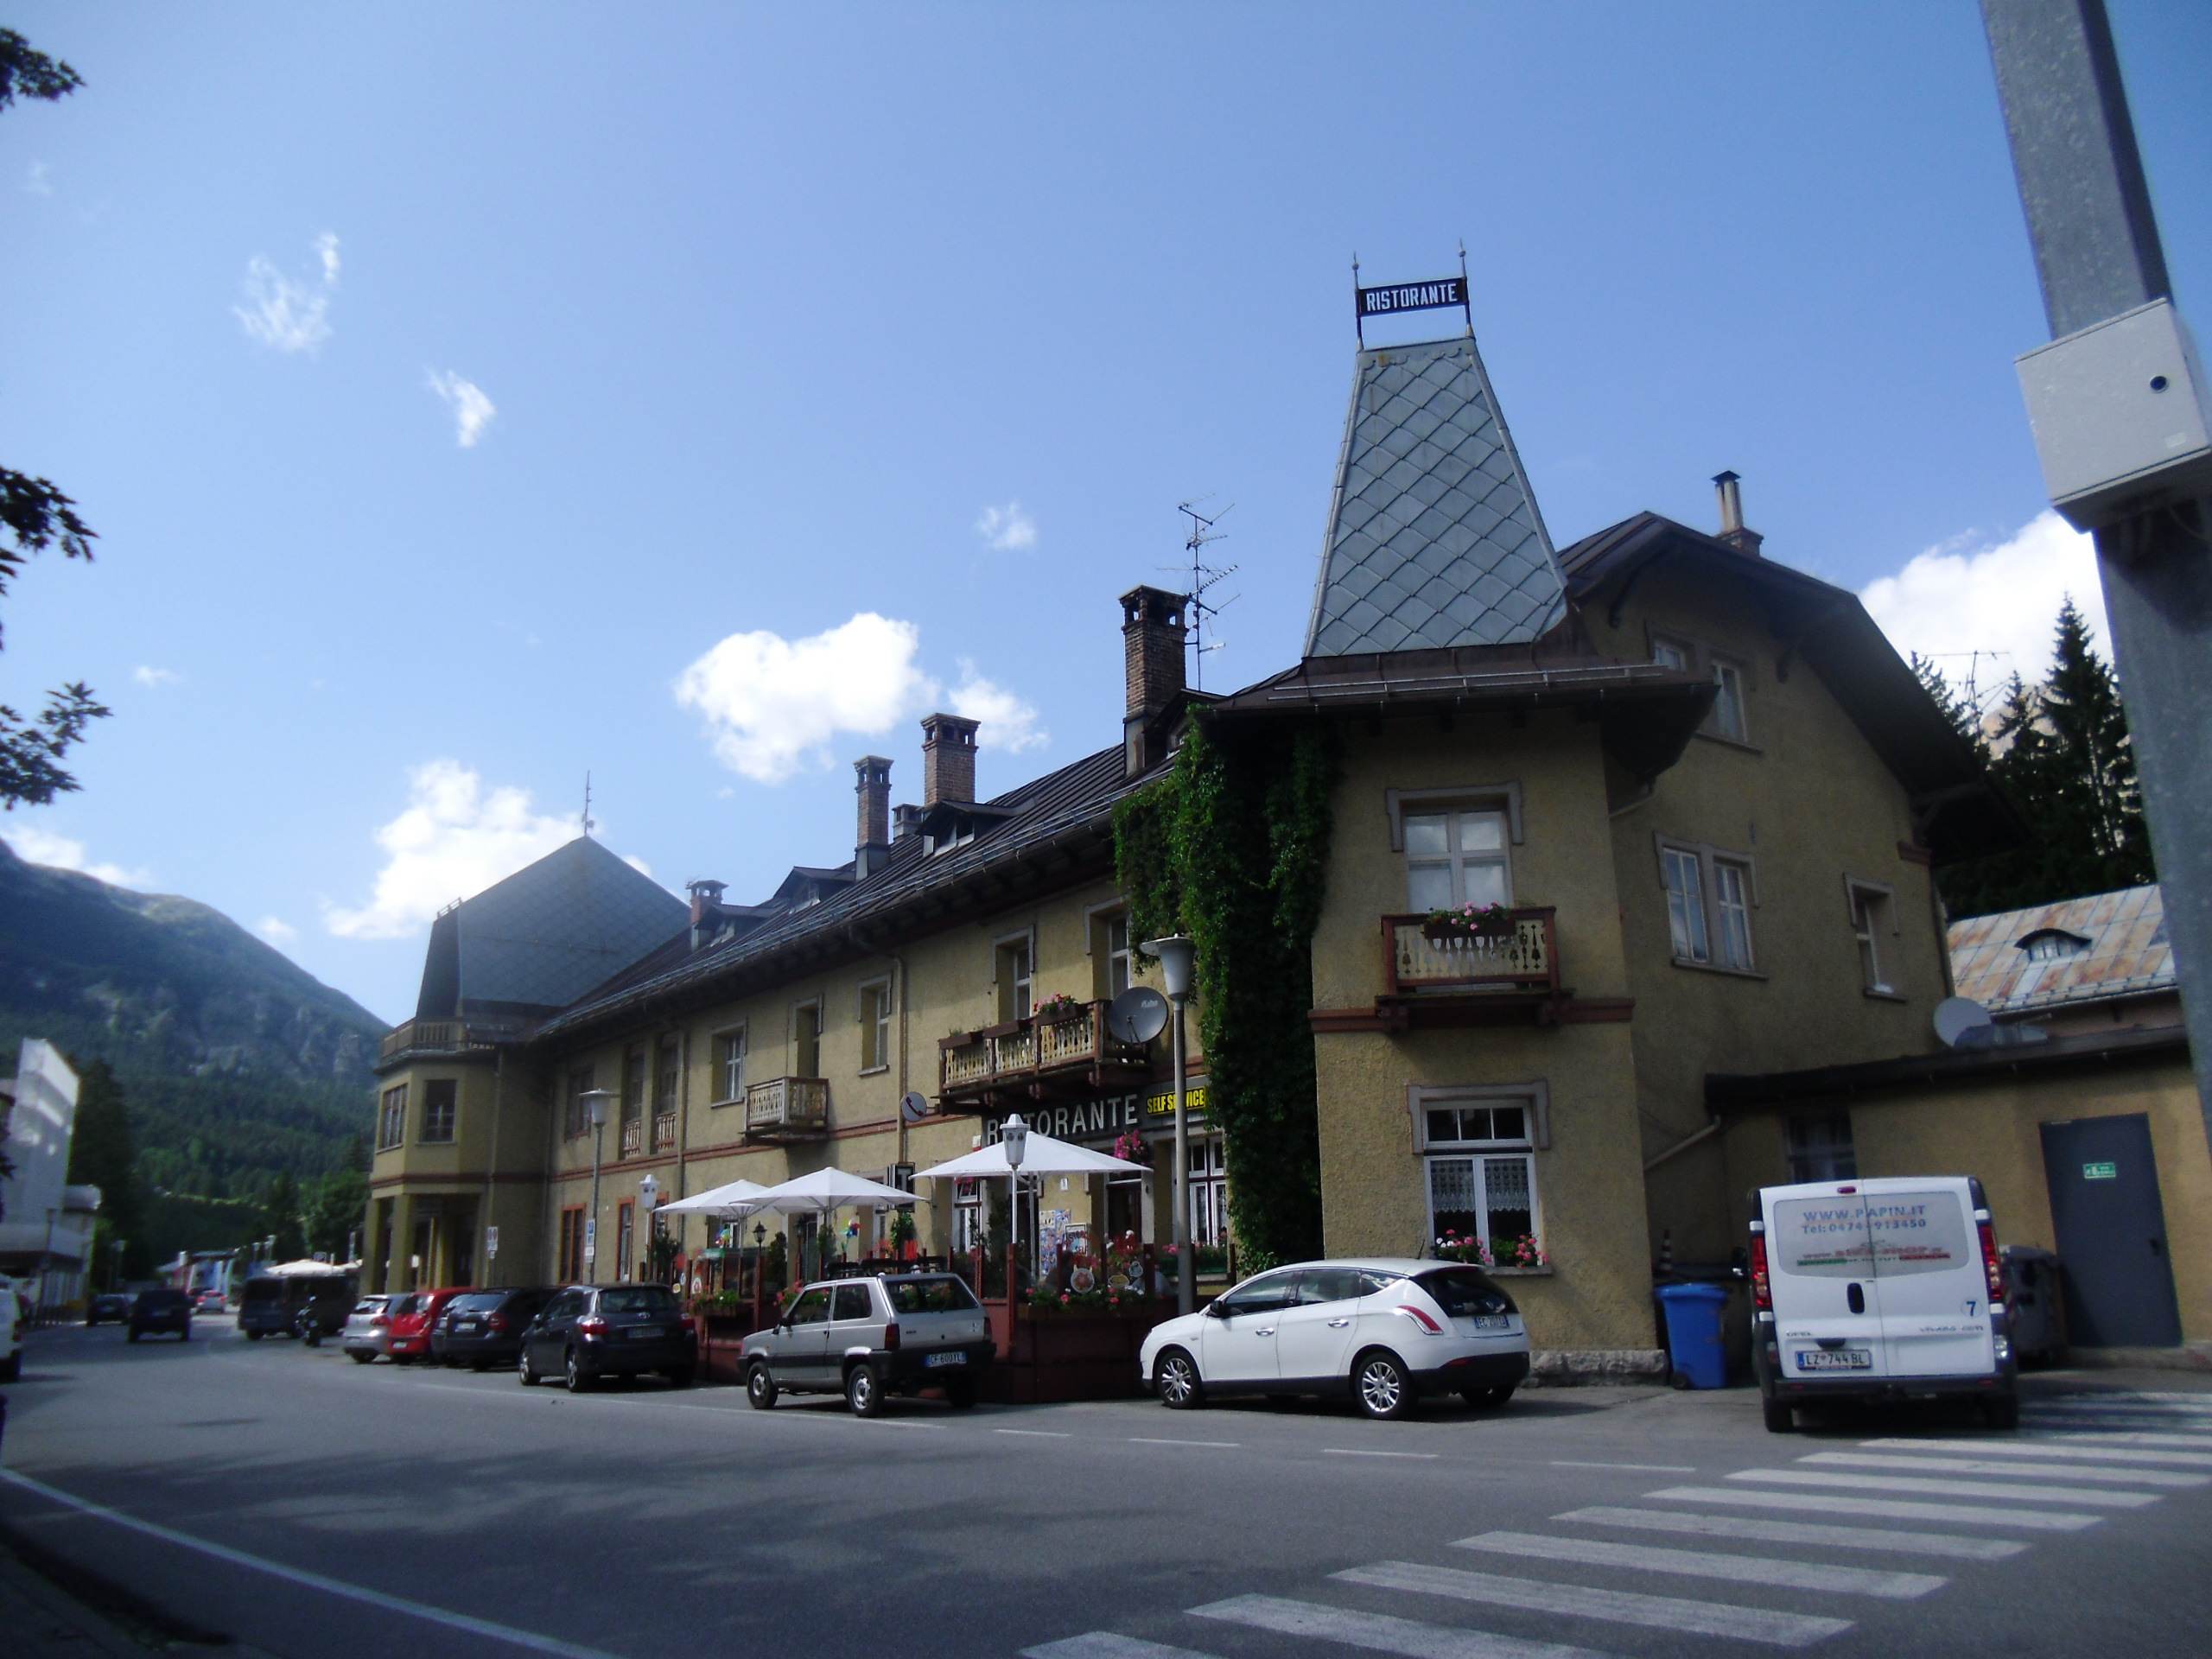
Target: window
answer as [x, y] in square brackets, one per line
[729, 1065]
[875, 1026]
[811, 1308]
[1457, 858]
[806, 1040]
[438, 1109]
[2053, 944]
[668, 1078]
[1014, 981]
[1726, 717]
[1120, 962]
[391, 1121]
[633, 1082]
[1872, 915]
[1477, 1125]
[1672, 653]
[1819, 1144]
[967, 1215]
[571, 1267]
[1475, 1191]
[1710, 895]
[626, 1221]
[852, 1303]
[1209, 1190]
[576, 1119]
[1265, 1294]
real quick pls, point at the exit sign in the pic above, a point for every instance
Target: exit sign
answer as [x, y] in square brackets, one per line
[2100, 1171]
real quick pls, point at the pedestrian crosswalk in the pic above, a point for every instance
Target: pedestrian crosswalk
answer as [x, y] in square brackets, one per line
[1843, 1530]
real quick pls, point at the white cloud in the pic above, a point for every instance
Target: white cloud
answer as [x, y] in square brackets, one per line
[36, 181]
[1007, 529]
[2000, 599]
[277, 930]
[37, 846]
[1008, 722]
[151, 677]
[472, 410]
[291, 316]
[455, 839]
[772, 703]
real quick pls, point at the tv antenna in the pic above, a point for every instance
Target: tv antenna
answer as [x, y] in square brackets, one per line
[588, 825]
[1203, 578]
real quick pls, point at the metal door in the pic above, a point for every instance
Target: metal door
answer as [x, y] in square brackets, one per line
[1929, 1278]
[2113, 1264]
[1239, 1344]
[1826, 1305]
[798, 1352]
[1314, 1340]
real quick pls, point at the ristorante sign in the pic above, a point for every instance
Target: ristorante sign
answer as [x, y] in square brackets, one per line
[1086, 1122]
[1413, 296]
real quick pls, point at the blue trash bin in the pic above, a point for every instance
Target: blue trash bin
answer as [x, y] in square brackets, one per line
[1695, 1353]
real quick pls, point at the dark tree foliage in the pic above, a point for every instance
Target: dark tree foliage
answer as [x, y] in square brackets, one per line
[280, 1218]
[2060, 747]
[104, 1153]
[340, 1199]
[34, 516]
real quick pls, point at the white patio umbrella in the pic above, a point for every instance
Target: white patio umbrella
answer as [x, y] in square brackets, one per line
[1042, 1155]
[732, 1202]
[826, 1191]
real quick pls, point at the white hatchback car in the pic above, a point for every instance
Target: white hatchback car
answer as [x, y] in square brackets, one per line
[1384, 1330]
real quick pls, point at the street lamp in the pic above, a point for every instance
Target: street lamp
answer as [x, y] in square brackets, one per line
[1178, 955]
[648, 1194]
[595, 1102]
[1013, 1135]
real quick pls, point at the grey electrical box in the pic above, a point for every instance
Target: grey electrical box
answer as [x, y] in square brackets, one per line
[2120, 416]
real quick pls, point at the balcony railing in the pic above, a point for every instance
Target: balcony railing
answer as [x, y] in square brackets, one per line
[785, 1105]
[1524, 958]
[633, 1137]
[663, 1131]
[441, 1037]
[1029, 1053]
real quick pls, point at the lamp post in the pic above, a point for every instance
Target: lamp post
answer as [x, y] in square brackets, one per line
[595, 1102]
[1014, 1136]
[1179, 957]
[648, 1194]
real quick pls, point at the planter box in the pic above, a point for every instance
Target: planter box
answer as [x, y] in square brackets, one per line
[1073, 1356]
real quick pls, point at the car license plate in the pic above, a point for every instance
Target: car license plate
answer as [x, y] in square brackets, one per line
[467, 1328]
[1835, 1359]
[946, 1359]
[647, 1333]
[1493, 1322]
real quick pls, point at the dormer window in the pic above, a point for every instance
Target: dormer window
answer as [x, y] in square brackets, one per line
[2052, 944]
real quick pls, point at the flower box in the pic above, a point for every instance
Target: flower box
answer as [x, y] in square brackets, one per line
[1468, 922]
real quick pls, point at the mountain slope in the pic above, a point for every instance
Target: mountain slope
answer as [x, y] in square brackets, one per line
[235, 1062]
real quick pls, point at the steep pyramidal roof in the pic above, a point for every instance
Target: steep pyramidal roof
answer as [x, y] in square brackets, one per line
[1434, 539]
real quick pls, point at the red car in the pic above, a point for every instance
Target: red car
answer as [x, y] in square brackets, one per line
[410, 1332]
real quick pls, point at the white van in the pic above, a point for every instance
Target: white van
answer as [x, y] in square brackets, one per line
[1886, 1289]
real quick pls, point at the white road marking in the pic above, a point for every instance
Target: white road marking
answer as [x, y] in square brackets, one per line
[1896, 1510]
[1105, 1644]
[2042, 1448]
[1347, 1452]
[1042, 1434]
[1380, 1632]
[2180, 1442]
[1694, 1564]
[1644, 1468]
[1953, 1488]
[1219, 1445]
[312, 1580]
[1798, 1532]
[1616, 1606]
[2077, 1421]
[1999, 1466]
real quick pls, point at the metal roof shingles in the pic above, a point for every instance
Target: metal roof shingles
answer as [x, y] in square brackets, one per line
[2128, 954]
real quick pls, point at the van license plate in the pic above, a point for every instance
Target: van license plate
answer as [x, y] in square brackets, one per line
[946, 1359]
[1835, 1359]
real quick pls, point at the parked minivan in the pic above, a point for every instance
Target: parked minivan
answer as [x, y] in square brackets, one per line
[1890, 1288]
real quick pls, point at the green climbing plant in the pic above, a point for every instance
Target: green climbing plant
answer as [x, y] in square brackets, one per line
[1232, 848]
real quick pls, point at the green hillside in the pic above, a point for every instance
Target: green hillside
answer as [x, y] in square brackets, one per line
[235, 1063]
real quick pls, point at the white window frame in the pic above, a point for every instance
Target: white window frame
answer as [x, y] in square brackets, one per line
[423, 1135]
[1533, 1098]
[391, 1118]
[805, 1006]
[1485, 797]
[1454, 858]
[1730, 670]
[873, 1011]
[721, 1041]
[1002, 993]
[1209, 1189]
[1733, 677]
[1712, 899]
[1866, 926]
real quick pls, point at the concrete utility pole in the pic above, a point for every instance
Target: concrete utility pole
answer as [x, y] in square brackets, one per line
[2097, 253]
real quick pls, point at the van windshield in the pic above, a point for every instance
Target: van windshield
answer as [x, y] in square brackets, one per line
[945, 1295]
[265, 1290]
[1918, 1232]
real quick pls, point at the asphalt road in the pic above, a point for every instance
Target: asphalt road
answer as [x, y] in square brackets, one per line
[317, 1510]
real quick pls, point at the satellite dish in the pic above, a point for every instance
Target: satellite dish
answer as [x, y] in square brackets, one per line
[1957, 1015]
[914, 1106]
[1137, 1015]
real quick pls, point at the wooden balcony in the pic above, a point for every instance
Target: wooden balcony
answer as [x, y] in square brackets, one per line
[1037, 1058]
[665, 1132]
[787, 1108]
[413, 1037]
[1509, 978]
[633, 1138]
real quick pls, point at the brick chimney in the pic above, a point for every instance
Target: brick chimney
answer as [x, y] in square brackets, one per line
[1746, 542]
[872, 840]
[948, 759]
[1152, 657]
[706, 899]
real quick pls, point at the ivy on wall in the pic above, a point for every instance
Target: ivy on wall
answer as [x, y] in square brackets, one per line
[1232, 848]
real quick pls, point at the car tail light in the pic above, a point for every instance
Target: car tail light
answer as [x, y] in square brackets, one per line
[891, 1334]
[496, 1322]
[1993, 1264]
[1761, 1286]
[379, 1319]
[593, 1326]
[1419, 1318]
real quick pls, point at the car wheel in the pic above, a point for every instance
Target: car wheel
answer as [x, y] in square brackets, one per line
[864, 1392]
[526, 1373]
[575, 1379]
[11, 1368]
[2002, 1411]
[360, 1359]
[1380, 1387]
[1780, 1416]
[1175, 1379]
[253, 1336]
[477, 1365]
[1488, 1399]
[960, 1396]
[760, 1389]
[680, 1377]
[134, 1334]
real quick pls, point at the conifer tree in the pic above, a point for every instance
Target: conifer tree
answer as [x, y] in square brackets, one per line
[104, 1153]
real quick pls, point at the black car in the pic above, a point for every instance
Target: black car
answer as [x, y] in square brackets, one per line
[112, 1308]
[588, 1332]
[483, 1328]
[159, 1311]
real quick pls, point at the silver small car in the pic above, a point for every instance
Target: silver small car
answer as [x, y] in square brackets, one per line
[871, 1338]
[368, 1328]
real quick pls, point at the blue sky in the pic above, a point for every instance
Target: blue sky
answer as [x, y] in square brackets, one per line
[468, 397]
